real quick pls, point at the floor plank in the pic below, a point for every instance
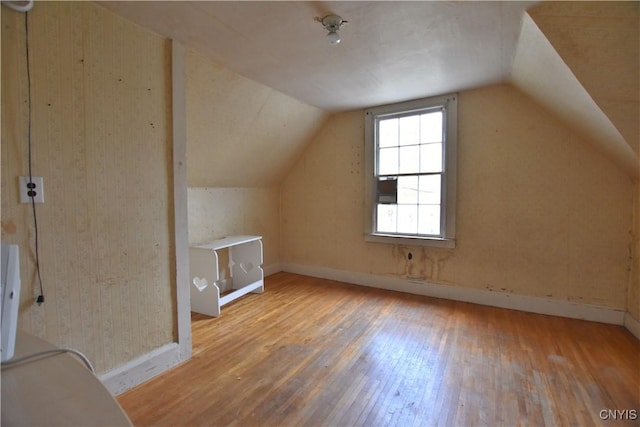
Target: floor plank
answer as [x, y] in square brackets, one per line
[321, 353]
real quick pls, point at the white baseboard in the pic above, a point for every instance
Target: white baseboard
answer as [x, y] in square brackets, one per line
[141, 369]
[272, 269]
[531, 304]
[153, 363]
[161, 359]
[632, 325]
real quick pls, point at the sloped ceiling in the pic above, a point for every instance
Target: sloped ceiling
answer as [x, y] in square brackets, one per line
[393, 51]
[580, 61]
[241, 133]
[390, 50]
[540, 72]
[599, 42]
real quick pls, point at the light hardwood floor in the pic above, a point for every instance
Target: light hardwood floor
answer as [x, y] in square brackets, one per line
[313, 352]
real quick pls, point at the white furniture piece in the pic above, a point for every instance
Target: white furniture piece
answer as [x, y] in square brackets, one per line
[55, 390]
[245, 265]
[10, 296]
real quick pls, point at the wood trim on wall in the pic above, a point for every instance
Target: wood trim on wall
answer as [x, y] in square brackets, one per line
[272, 269]
[180, 204]
[161, 359]
[142, 368]
[632, 325]
[531, 304]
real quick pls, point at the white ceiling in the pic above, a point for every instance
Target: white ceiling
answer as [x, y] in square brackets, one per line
[390, 51]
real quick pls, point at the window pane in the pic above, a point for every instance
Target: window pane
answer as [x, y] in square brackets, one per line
[388, 133]
[387, 218]
[410, 130]
[410, 146]
[408, 219]
[429, 190]
[431, 127]
[429, 219]
[431, 158]
[408, 190]
[410, 159]
[388, 161]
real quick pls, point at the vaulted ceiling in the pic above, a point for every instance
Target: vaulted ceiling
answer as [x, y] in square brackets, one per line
[390, 50]
[580, 61]
[560, 53]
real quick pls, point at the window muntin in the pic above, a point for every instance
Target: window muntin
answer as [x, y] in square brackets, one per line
[411, 178]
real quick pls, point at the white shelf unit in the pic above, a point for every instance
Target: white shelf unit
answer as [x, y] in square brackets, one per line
[245, 264]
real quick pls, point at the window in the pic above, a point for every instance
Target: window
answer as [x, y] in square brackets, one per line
[410, 151]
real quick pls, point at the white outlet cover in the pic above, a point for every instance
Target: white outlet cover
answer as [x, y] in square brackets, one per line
[24, 190]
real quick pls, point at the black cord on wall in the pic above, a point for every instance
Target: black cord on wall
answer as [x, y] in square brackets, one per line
[40, 298]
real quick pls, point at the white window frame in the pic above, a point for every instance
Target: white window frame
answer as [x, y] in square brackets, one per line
[449, 104]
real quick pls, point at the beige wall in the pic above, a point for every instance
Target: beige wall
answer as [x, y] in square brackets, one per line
[241, 133]
[218, 212]
[540, 212]
[101, 140]
[242, 138]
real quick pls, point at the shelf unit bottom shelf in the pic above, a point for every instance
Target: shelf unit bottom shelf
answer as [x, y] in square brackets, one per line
[237, 293]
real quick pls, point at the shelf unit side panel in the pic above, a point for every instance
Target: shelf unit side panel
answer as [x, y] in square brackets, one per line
[246, 263]
[203, 265]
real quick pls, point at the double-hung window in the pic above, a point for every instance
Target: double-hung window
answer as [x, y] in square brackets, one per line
[410, 181]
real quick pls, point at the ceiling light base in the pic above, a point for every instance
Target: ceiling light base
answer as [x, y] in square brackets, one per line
[332, 24]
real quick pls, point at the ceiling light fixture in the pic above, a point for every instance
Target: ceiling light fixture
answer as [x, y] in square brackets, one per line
[19, 6]
[332, 23]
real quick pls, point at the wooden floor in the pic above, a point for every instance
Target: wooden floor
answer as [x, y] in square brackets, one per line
[312, 352]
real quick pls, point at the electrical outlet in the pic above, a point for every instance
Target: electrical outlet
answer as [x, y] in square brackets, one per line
[29, 189]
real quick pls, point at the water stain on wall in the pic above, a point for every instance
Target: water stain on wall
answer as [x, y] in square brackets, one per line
[8, 227]
[422, 263]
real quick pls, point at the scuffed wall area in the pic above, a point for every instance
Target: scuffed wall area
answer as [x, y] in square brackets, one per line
[241, 133]
[219, 212]
[101, 134]
[539, 212]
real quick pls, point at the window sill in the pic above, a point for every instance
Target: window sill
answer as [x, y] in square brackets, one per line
[434, 242]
